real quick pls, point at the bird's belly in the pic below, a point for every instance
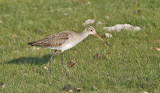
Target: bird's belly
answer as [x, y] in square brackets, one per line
[67, 46]
[63, 47]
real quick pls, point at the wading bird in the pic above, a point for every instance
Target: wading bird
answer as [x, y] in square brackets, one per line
[63, 41]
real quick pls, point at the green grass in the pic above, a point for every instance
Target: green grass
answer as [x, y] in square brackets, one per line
[130, 66]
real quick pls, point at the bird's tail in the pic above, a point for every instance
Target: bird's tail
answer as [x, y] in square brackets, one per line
[31, 43]
[36, 43]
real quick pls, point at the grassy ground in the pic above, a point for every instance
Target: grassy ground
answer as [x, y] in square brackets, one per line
[129, 66]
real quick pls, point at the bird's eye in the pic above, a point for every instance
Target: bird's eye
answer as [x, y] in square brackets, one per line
[91, 30]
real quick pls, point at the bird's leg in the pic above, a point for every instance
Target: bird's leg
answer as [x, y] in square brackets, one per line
[64, 65]
[49, 70]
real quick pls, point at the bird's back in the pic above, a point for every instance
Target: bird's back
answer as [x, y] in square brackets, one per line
[54, 40]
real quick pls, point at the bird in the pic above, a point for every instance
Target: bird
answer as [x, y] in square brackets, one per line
[64, 40]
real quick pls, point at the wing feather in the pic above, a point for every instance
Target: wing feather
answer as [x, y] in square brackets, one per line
[53, 40]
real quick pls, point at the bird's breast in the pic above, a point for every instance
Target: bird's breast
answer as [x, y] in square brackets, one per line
[71, 42]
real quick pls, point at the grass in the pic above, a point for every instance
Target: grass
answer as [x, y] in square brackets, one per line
[130, 66]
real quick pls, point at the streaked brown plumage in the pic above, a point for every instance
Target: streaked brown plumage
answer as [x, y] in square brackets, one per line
[54, 40]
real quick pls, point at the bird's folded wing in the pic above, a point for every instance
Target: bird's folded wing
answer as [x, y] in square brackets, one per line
[54, 40]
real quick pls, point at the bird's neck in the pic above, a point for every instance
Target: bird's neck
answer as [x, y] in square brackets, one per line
[83, 35]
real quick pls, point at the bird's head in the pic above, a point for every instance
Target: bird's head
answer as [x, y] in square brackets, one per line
[92, 31]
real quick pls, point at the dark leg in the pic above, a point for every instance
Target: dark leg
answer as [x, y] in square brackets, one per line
[64, 65]
[49, 70]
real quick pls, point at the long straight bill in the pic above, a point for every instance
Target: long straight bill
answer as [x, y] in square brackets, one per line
[102, 40]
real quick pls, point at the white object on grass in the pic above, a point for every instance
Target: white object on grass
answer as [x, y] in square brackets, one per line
[120, 27]
[89, 21]
[108, 35]
[99, 23]
[145, 92]
[3, 86]
[45, 68]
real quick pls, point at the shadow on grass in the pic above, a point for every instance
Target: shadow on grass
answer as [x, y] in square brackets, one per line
[30, 60]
